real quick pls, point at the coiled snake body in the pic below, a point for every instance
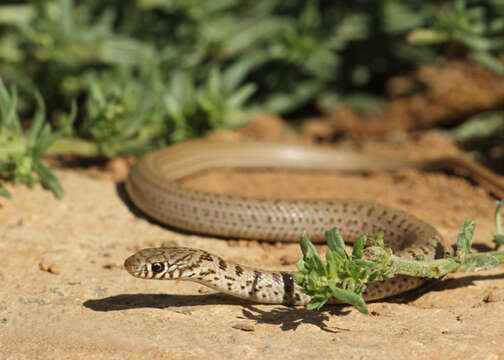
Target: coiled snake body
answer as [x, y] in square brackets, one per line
[153, 187]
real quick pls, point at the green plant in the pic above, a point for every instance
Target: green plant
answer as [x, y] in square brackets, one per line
[123, 111]
[20, 155]
[216, 104]
[345, 276]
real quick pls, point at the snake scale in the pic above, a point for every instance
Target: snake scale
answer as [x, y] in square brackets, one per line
[153, 187]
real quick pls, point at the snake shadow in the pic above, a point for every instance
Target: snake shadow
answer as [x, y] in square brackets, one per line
[288, 318]
[158, 301]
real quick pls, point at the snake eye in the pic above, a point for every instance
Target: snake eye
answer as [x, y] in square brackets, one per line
[157, 267]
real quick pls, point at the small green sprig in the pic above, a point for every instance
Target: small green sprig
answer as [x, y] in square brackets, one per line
[345, 277]
[342, 276]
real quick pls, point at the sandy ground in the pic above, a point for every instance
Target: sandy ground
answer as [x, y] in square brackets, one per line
[64, 294]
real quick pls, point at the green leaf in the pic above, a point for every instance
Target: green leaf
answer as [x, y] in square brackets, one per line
[464, 238]
[476, 43]
[316, 304]
[43, 142]
[299, 279]
[300, 264]
[477, 262]
[236, 73]
[214, 83]
[331, 257]
[319, 265]
[8, 111]
[182, 90]
[351, 298]
[174, 109]
[426, 37]
[49, 180]
[334, 240]
[311, 256]
[358, 246]
[307, 247]
[332, 269]
[65, 122]
[488, 60]
[341, 256]
[374, 276]
[239, 97]
[38, 120]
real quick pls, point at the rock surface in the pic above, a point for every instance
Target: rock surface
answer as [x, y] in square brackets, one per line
[64, 294]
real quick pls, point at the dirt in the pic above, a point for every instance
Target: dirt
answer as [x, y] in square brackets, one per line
[64, 293]
[434, 95]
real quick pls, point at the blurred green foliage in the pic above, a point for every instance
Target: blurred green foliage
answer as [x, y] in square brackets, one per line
[149, 72]
[145, 73]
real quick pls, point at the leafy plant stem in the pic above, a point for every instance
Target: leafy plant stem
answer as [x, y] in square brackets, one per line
[433, 269]
[344, 276]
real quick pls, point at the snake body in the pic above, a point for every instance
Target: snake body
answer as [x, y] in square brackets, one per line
[153, 186]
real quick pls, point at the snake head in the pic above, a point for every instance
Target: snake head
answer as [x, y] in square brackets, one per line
[161, 263]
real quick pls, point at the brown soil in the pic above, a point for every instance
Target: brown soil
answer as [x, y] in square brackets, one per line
[431, 96]
[64, 294]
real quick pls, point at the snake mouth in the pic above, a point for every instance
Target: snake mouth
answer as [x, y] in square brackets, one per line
[137, 271]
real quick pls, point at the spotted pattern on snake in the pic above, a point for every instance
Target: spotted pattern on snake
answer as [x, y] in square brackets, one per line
[153, 186]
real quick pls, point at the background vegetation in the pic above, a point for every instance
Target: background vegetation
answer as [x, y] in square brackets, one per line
[126, 76]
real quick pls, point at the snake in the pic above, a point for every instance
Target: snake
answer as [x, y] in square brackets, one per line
[154, 187]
